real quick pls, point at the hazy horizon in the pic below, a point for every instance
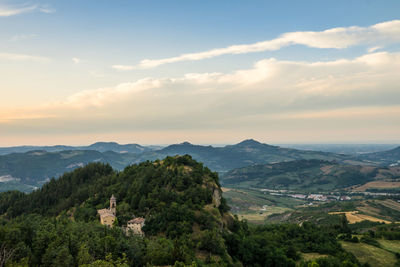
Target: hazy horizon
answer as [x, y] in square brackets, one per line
[211, 143]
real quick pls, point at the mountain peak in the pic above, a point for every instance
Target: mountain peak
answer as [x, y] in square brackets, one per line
[249, 142]
[186, 143]
[104, 143]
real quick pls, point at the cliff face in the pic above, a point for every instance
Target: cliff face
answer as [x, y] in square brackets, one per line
[217, 196]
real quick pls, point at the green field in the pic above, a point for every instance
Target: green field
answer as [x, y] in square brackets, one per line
[260, 216]
[254, 205]
[369, 254]
[312, 256]
[390, 245]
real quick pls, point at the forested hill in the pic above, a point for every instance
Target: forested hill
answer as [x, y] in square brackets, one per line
[35, 167]
[187, 222]
[306, 175]
[141, 189]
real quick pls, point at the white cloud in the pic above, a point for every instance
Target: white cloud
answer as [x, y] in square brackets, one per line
[22, 57]
[122, 67]
[103, 96]
[7, 11]
[46, 10]
[373, 49]
[339, 38]
[76, 60]
[373, 76]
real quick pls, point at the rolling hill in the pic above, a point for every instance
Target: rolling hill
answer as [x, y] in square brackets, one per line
[384, 158]
[32, 168]
[306, 175]
[36, 167]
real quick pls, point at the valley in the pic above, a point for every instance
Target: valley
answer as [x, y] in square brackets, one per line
[33, 167]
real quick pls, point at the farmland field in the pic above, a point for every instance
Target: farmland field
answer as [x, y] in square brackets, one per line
[377, 184]
[369, 254]
[391, 245]
[354, 217]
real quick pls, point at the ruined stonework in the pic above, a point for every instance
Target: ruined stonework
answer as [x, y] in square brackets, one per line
[135, 226]
[108, 216]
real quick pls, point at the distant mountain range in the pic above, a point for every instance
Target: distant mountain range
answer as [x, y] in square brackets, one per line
[32, 168]
[99, 146]
[245, 153]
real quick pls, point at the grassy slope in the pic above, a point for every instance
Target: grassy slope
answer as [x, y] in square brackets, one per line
[369, 254]
[390, 245]
[255, 206]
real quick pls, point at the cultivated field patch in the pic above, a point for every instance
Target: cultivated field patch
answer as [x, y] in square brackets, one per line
[369, 254]
[377, 184]
[354, 217]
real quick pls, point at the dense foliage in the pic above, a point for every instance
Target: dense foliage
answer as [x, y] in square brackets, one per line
[186, 222]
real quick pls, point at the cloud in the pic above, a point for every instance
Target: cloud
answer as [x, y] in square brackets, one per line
[20, 37]
[22, 57]
[76, 60]
[354, 97]
[7, 11]
[338, 38]
[123, 67]
[373, 49]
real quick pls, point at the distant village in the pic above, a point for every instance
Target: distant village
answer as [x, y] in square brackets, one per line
[333, 196]
[108, 217]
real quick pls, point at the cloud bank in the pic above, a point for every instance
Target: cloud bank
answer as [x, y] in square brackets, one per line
[342, 99]
[339, 38]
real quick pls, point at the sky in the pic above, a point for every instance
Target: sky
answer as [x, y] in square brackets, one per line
[159, 72]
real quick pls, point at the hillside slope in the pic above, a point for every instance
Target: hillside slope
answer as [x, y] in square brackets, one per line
[384, 158]
[306, 175]
[35, 167]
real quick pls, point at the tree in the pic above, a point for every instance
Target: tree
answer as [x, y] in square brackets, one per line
[5, 254]
[84, 256]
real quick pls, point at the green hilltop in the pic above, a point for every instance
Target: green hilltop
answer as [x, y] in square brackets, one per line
[187, 222]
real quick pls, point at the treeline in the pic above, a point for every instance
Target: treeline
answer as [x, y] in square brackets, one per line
[40, 241]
